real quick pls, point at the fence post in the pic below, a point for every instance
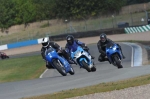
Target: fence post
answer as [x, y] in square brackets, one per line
[131, 19]
[85, 23]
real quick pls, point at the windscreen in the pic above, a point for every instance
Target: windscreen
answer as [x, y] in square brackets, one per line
[110, 45]
[49, 50]
[74, 48]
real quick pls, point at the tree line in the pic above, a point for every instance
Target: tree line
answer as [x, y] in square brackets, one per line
[130, 2]
[14, 12]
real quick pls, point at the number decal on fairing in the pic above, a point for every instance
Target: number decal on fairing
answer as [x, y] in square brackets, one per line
[49, 54]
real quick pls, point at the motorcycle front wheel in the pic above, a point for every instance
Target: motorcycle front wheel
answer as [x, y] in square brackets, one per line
[85, 65]
[118, 62]
[71, 72]
[60, 67]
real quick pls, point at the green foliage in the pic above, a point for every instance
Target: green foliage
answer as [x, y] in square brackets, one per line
[7, 12]
[25, 11]
[129, 2]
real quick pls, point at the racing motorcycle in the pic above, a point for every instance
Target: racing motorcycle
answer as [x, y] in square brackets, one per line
[83, 58]
[3, 55]
[114, 55]
[58, 62]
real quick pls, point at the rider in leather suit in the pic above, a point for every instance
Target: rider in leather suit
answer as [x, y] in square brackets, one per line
[102, 47]
[71, 42]
[46, 43]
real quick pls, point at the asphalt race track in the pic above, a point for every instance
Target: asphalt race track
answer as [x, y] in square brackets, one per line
[52, 81]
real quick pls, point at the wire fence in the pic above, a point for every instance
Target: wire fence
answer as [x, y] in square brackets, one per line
[50, 28]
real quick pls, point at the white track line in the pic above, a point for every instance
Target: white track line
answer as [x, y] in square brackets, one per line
[137, 54]
[43, 73]
[131, 54]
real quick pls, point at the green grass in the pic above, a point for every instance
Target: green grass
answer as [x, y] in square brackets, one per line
[21, 68]
[102, 87]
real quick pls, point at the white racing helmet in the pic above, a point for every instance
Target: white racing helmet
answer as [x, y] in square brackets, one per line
[45, 42]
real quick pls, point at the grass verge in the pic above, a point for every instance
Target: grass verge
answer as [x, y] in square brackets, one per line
[21, 68]
[102, 87]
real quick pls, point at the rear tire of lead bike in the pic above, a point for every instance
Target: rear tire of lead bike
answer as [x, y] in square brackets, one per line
[118, 62]
[60, 68]
[85, 65]
[72, 72]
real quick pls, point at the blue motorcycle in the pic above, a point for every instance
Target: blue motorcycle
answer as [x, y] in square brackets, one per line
[114, 55]
[83, 58]
[58, 62]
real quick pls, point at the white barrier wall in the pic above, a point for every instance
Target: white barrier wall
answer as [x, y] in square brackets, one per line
[20, 44]
[3, 47]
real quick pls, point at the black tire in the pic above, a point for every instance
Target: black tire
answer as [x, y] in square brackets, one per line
[59, 68]
[49, 67]
[3, 57]
[72, 72]
[118, 62]
[93, 69]
[85, 65]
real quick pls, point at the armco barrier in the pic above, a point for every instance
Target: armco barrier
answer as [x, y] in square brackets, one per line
[88, 34]
[63, 37]
[21, 44]
[137, 29]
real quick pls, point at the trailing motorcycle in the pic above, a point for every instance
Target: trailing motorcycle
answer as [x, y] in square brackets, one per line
[3, 55]
[83, 59]
[58, 62]
[114, 55]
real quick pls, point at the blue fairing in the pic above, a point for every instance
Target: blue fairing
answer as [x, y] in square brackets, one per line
[112, 49]
[52, 54]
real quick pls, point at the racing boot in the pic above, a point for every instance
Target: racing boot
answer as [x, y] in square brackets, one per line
[92, 57]
[123, 57]
[73, 62]
[70, 61]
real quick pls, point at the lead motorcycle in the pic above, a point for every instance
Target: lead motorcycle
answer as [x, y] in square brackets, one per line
[83, 58]
[114, 55]
[58, 62]
[3, 55]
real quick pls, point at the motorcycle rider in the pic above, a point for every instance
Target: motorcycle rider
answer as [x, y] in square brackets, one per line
[102, 47]
[46, 43]
[71, 42]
